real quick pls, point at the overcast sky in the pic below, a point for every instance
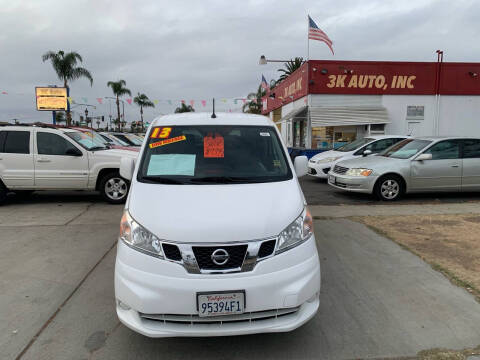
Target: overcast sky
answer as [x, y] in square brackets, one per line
[195, 50]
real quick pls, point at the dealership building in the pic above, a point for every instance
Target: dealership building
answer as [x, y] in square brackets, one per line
[324, 104]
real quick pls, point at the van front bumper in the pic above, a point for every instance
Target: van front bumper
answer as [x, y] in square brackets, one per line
[158, 298]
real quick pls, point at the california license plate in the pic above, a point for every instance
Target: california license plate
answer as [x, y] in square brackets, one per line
[331, 179]
[222, 303]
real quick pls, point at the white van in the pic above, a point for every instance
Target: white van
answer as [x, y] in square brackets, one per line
[215, 238]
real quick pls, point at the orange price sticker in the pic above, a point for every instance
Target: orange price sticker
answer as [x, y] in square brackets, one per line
[161, 133]
[213, 147]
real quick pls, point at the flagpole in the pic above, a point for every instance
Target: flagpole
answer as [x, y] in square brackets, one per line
[308, 40]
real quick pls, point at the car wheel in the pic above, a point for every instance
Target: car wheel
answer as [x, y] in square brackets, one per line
[23, 193]
[389, 188]
[3, 193]
[114, 188]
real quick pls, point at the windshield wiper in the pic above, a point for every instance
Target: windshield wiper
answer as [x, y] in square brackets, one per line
[98, 148]
[225, 180]
[165, 180]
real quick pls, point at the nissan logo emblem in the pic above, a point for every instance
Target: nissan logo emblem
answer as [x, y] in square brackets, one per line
[220, 257]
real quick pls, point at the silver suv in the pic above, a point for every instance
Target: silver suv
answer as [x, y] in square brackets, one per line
[413, 165]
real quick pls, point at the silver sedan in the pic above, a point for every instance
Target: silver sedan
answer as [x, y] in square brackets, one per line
[413, 165]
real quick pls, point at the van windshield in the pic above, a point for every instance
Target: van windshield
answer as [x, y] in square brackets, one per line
[354, 145]
[205, 154]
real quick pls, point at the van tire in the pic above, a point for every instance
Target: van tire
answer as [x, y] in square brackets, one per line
[114, 188]
[389, 187]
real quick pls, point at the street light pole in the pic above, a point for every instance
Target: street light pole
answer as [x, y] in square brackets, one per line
[263, 60]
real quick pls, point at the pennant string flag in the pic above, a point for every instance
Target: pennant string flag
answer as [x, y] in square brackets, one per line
[204, 103]
[99, 100]
[85, 100]
[155, 102]
[315, 33]
[129, 100]
[192, 102]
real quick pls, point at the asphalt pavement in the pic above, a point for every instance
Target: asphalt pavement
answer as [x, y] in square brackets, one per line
[57, 299]
[318, 192]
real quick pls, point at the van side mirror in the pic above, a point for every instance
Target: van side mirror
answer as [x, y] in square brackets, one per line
[367, 152]
[300, 164]
[423, 157]
[127, 166]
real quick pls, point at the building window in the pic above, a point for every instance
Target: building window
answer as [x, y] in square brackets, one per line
[415, 112]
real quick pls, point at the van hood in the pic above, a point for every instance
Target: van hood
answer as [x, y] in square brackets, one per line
[215, 213]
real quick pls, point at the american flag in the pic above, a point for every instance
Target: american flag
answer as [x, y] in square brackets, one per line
[264, 83]
[315, 33]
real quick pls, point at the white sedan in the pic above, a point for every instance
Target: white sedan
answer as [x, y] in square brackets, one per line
[320, 164]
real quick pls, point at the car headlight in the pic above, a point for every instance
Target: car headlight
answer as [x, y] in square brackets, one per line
[358, 172]
[329, 159]
[296, 233]
[139, 238]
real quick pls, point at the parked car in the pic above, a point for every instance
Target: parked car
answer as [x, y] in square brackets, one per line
[320, 164]
[46, 158]
[130, 139]
[105, 141]
[413, 165]
[118, 144]
[215, 238]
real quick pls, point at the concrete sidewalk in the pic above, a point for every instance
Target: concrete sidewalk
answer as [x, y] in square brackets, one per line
[341, 211]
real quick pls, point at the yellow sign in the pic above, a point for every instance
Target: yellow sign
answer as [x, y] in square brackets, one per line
[51, 98]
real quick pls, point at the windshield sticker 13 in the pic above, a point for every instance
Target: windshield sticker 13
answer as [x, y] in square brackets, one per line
[167, 141]
[161, 133]
[213, 147]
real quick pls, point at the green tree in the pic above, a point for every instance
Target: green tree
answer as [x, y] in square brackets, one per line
[65, 66]
[119, 89]
[254, 103]
[184, 108]
[142, 100]
[290, 67]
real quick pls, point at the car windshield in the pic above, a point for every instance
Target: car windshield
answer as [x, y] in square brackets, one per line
[213, 155]
[354, 145]
[86, 140]
[405, 149]
[130, 140]
[114, 140]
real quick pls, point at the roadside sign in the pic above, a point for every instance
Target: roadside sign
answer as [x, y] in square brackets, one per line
[51, 98]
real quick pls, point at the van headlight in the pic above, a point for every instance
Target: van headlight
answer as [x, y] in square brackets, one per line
[137, 237]
[296, 233]
[358, 172]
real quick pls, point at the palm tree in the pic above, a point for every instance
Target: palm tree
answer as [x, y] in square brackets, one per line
[142, 100]
[65, 65]
[290, 67]
[119, 89]
[60, 117]
[254, 103]
[184, 108]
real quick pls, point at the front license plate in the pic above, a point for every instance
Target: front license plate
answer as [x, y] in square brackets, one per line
[331, 179]
[222, 303]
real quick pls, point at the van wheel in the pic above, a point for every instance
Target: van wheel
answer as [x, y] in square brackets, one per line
[389, 188]
[3, 193]
[114, 188]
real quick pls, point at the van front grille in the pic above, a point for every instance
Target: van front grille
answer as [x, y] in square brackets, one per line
[203, 255]
[194, 319]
